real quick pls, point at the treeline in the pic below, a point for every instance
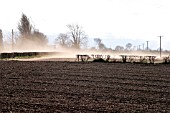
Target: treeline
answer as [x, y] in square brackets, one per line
[29, 37]
[76, 38]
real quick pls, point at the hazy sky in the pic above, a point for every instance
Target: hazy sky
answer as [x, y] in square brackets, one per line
[110, 20]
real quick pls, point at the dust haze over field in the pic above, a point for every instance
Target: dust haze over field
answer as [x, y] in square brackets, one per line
[60, 52]
[71, 53]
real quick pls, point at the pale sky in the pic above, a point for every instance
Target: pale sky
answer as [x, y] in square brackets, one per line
[111, 20]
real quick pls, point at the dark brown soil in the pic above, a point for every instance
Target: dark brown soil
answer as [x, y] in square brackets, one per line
[51, 86]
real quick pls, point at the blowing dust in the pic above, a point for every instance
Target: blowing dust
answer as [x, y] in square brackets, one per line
[53, 52]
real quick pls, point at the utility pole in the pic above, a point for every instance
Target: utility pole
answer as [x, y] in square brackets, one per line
[160, 45]
[147, 45]
[139, 47]
[12, 40]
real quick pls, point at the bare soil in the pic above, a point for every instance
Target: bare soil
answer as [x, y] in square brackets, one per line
[57, 86]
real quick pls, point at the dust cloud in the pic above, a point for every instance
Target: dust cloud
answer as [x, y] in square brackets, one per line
[51, 51]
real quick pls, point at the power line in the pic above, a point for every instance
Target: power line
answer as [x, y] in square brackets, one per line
[139, 47]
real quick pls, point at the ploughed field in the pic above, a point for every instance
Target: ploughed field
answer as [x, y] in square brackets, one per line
[52, 86]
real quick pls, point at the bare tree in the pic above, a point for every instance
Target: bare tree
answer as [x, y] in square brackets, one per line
[128, 46]
[102, 46]
[78, 36]
[119, 48]
[63, 40]
[99, 43]
[1, 40]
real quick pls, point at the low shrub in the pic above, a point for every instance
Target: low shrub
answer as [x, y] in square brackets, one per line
[99, 60]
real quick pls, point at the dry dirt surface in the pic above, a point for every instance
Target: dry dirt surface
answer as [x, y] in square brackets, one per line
[53, 86]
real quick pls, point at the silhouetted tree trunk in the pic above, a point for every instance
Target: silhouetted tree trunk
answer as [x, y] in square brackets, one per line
[1, 40]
